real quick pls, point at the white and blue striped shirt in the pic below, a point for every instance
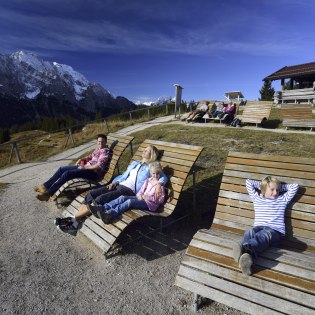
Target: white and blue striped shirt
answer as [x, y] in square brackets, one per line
[270, 212]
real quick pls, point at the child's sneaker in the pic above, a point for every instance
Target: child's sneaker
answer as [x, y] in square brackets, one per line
[237, 251]
[95, 210]
[246, 262]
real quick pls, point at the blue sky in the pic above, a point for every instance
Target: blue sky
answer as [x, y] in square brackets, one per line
[140, 48]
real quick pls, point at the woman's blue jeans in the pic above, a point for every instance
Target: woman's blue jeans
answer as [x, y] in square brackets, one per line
[124, 203]
[66, 173]
[260, 238]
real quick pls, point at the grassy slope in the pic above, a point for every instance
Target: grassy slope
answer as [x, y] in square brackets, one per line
[217, 142]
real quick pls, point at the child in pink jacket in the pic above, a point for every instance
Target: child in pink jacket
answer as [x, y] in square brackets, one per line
[146, 198]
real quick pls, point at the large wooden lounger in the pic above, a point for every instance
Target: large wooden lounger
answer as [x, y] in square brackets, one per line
[177, 161]
[297, 115]
[283, 280]
[118, 144]
[255, 112]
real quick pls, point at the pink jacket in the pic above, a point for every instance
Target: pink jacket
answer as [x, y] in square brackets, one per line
[149, 190]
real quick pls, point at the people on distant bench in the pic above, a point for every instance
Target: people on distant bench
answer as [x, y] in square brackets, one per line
[270, 199]
[127, 184]
[91, 167]
[218, 110]
[201, 109]
[229, 112]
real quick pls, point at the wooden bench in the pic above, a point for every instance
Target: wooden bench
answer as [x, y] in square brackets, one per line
[207, 116]
[297, 95]
[255, 112]
[118, 144]
[298, 116]
[177, 161]
[283, 280]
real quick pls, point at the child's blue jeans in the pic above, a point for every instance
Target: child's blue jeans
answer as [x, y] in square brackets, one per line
[260, 238]
[124, 203]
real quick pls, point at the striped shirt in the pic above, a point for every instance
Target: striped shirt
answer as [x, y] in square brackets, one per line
[270, 212]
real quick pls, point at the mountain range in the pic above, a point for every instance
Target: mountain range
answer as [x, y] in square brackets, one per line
[31, 89]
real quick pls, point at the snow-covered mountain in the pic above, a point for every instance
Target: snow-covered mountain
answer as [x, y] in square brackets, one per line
[51, 89]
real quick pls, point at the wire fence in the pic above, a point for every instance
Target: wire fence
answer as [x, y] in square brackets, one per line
[37, 144]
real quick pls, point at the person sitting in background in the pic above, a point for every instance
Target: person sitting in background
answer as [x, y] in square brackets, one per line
[200, 110]
[229, 112]
[91, 167]
[217, 110]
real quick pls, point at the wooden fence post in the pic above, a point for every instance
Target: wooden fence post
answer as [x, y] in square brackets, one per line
[69, 136]
[105, 121]
[17, 153]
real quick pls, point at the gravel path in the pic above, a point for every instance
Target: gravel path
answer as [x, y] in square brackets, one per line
[43, 271]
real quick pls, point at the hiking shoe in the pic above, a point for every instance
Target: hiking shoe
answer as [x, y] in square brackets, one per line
[247, 248]
[53, 198]
[237, 251]
[63, 221]
[43, 197]
[246, 262]
[40, 188]
[106, 217]
[69, 228]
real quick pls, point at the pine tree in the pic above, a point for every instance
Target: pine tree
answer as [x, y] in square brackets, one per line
[267, 91]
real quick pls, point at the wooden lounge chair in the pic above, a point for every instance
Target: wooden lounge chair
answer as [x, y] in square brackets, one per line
[118, 144]
[255, 112]
[283, 280]
[177, 161]
[297, 115]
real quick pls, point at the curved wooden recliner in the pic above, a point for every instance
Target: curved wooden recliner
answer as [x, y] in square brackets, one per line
[118, 144]
[177, 161]
[283, 280]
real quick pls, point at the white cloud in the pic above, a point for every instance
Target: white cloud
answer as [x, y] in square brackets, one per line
[242, 32]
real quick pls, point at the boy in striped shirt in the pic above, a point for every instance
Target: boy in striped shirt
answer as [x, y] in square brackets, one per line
[269, 225]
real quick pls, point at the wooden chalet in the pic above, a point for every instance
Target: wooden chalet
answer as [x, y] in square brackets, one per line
[298, 83]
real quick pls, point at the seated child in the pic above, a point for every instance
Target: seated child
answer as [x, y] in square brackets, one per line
[269, 226]
[145, 199]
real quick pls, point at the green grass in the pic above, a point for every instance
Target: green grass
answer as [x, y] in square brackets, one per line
[217, 142]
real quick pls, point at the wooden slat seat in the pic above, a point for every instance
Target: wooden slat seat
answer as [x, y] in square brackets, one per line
[255, 112]
[297, 95]
[177, 161]
[297, 116]
[283, 280]
[118, 144]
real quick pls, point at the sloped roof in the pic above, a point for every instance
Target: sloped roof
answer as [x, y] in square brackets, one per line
[301, 70]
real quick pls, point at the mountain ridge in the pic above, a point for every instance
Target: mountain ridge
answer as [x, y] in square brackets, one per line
[32, 88]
